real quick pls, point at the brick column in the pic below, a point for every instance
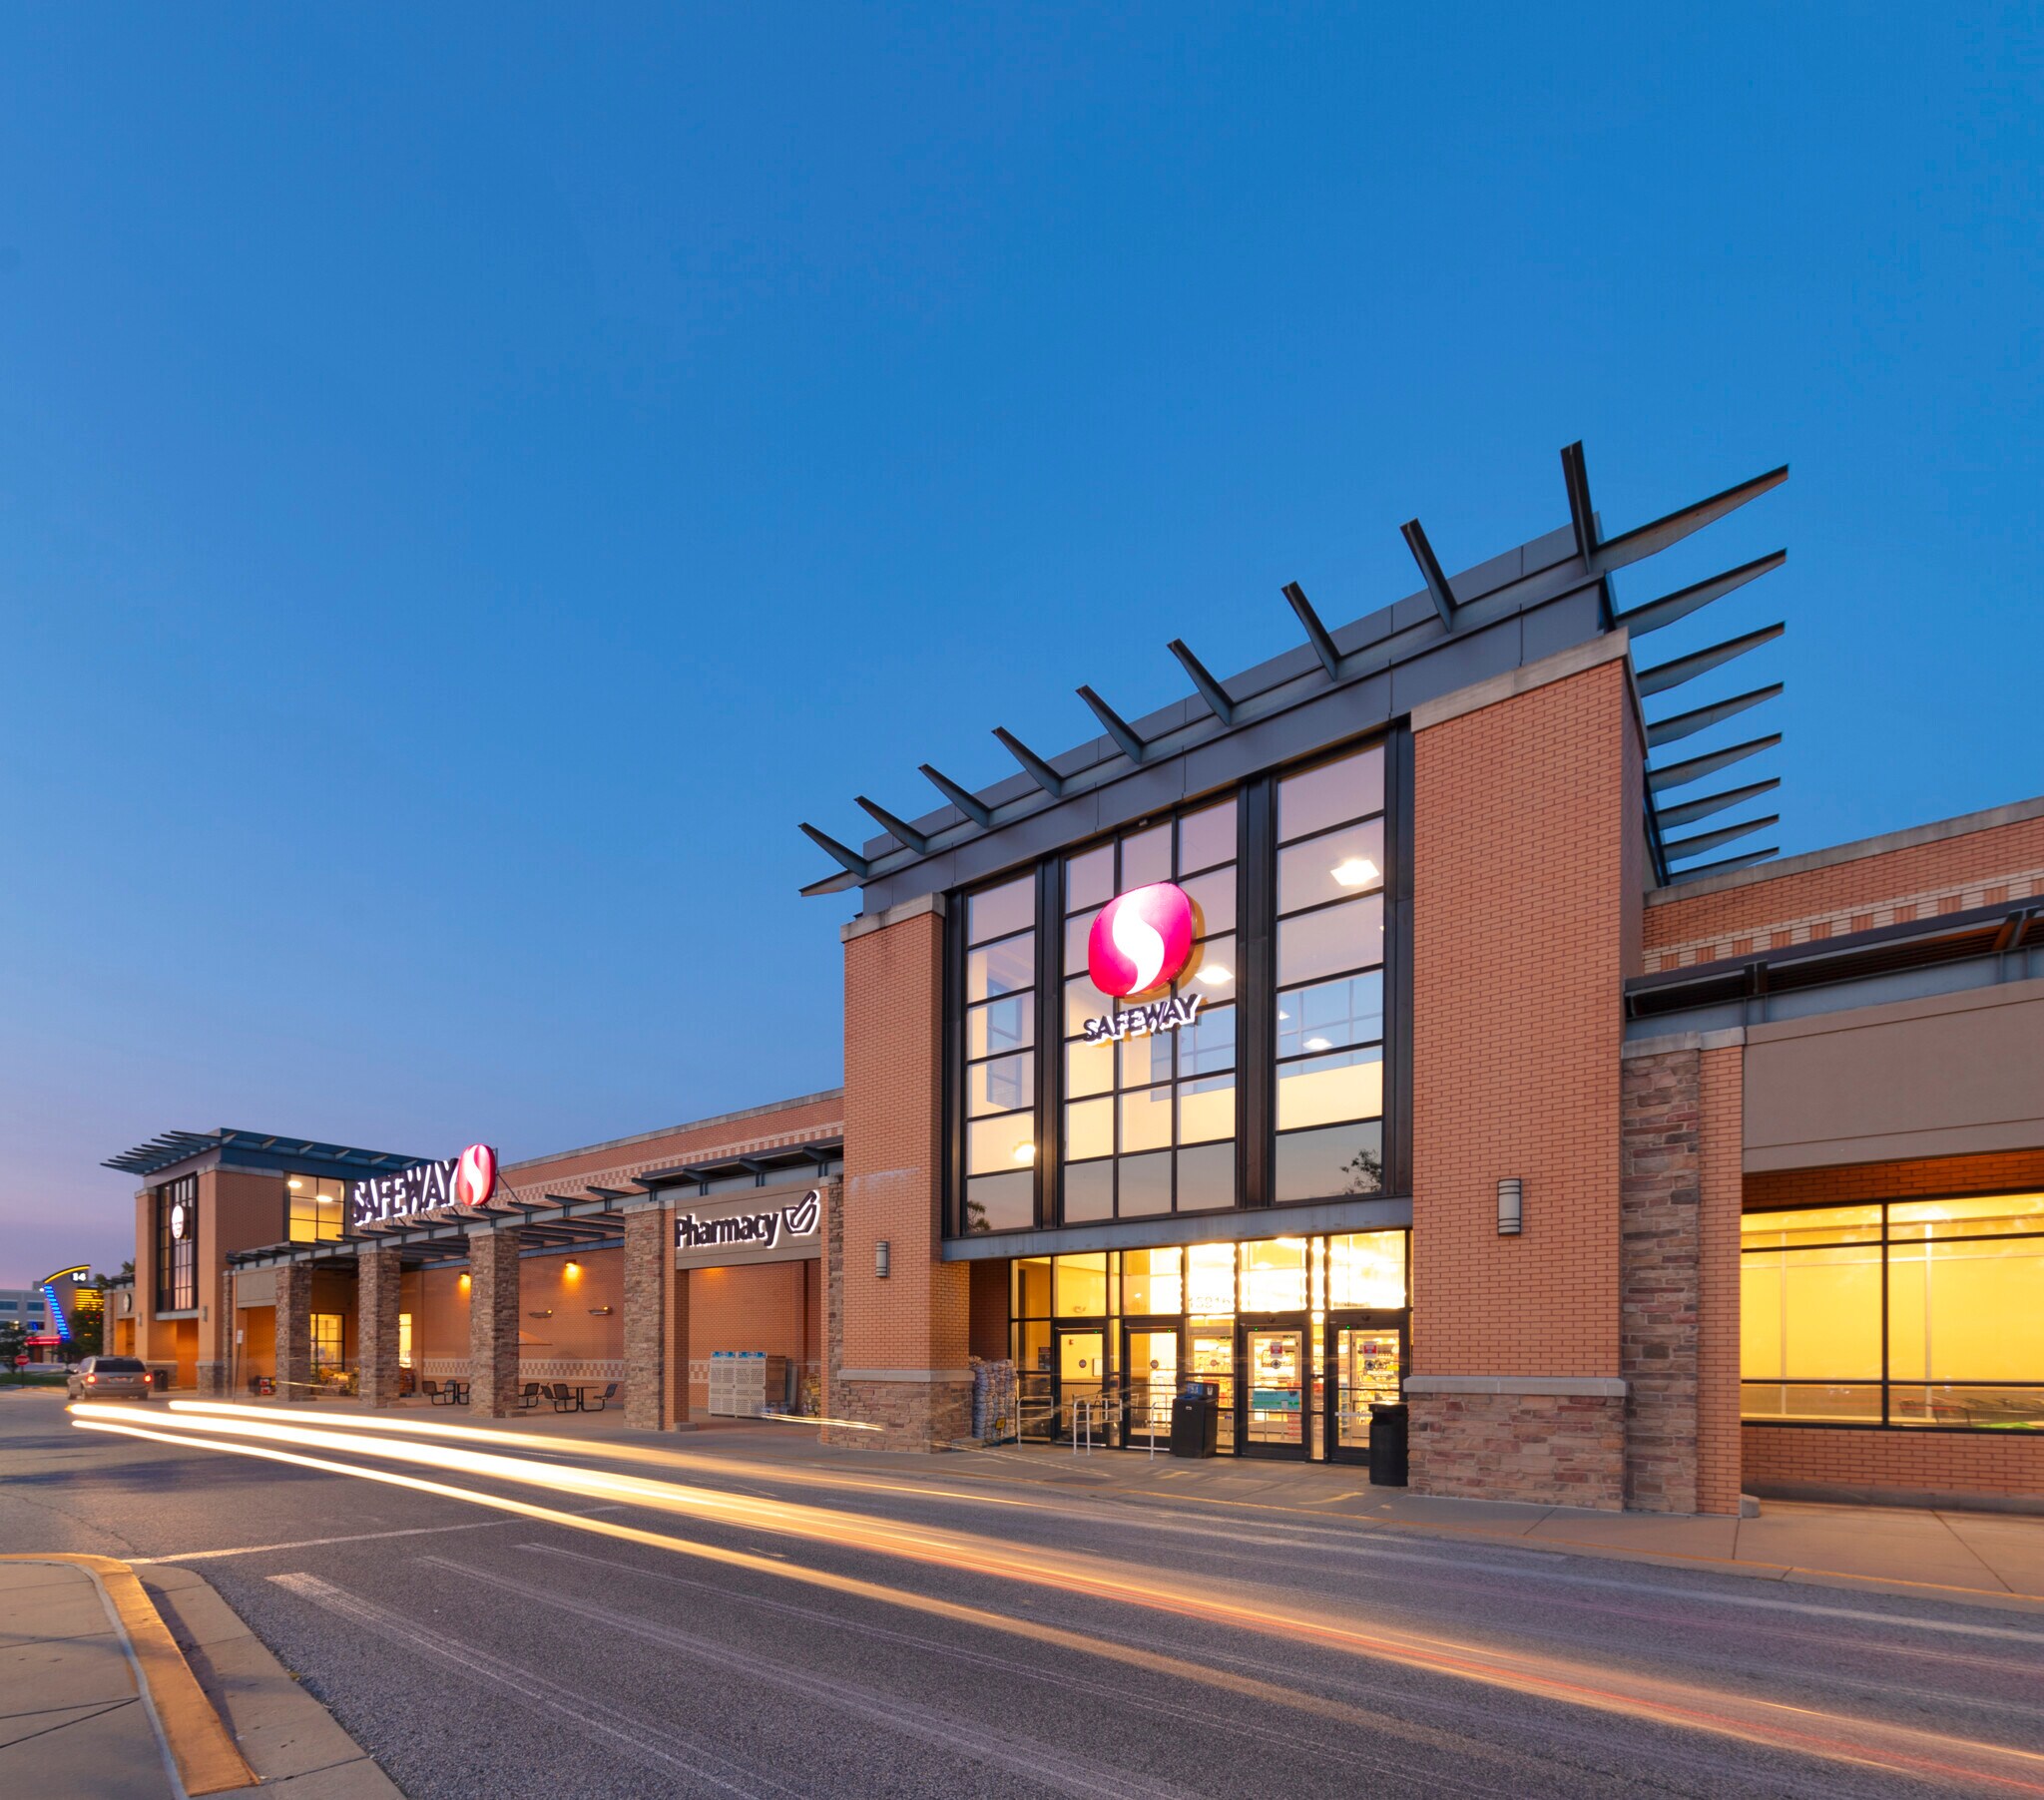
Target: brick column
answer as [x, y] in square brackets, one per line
[901, 1360]
[377, 1277]
[656, 1323]
[493, 1322]
[294, 1330]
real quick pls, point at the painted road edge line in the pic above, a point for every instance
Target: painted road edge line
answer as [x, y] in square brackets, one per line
[202, 1751]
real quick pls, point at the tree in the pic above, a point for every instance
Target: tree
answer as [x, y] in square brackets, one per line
[12, 1345]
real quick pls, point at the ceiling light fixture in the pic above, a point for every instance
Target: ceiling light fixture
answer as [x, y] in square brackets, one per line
[1215, 975]
[1355, 871]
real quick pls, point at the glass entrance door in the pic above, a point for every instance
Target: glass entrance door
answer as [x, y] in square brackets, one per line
[1365, 1365]
[1274, 1375]
[1082, 1377]
[1210, 1357]
[1150, 1364]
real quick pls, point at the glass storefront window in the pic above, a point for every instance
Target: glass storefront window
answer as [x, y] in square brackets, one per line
[1152, 1281]
[1079, 1285]
[1149, 1121]
[1031, 1275]
[1367, 1269]
[1919, 1313]
[1273, 1275]
[316, 1209]
[1210, 1281]
[1000, 1062]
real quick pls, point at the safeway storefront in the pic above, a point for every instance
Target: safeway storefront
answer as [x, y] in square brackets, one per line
[1387, 1021]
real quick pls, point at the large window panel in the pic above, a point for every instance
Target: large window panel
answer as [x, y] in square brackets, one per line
[1330, 793]
[1000, 1202]
[1205, 1110]
[1967, 1311]
[997, 911]
[1347, 1162]
[1336, 938]
[1008, 967]
[1000, 1026]
[1927, 1314]
[1146, 1120]
[1332, 1015]
[1317, 1091]
[1338, 865]
[1004, 1142]
[1001, 1086]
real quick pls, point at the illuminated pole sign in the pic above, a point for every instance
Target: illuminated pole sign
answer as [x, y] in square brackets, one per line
[467, 1181]
[1141, 940]
[751, 1230]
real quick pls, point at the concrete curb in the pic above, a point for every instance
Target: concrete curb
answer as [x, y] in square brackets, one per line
[295, 1746]
[191, 1731]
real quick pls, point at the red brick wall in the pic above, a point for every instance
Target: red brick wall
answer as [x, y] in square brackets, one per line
[990, 1310]
[916, 1320]
[2014, 1171]
[753, 1308]
[617, 1165]
[1919, 1463]
[1934, 875]
[1521, 812]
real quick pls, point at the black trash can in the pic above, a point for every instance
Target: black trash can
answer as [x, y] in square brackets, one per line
[160, 1381]
[1196, 1421]
[1387, 1435]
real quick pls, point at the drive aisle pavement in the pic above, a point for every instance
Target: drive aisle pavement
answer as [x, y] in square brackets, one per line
[113, 1690]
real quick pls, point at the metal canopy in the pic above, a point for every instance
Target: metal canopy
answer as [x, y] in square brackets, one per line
[558, 1221]
[1448, 613]
[792, 1163]
[168, 1147]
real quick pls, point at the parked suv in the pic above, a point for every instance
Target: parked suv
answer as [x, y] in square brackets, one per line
[109, 1378]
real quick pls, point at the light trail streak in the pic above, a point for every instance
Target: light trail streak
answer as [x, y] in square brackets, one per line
[1805, 1730]
[605, 1451]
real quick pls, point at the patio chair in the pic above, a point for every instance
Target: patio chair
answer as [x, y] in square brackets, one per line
[530, 1398]
[565, 1398]
[602, 1400]
[438, 1395]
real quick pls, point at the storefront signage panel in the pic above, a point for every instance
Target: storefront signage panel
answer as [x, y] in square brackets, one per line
[469, 1180]
[746, 1230]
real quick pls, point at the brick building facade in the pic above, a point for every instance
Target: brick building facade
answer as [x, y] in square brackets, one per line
[1381, 1025]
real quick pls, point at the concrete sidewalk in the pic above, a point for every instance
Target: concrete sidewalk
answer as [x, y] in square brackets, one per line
[123, 1690]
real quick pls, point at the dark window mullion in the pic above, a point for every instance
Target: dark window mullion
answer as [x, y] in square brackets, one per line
[1255, 986]
[1049, 1045]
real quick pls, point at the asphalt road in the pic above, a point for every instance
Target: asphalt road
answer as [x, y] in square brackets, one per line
[764, 1619]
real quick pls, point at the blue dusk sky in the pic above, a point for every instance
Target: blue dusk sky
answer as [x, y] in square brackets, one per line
[473, 478]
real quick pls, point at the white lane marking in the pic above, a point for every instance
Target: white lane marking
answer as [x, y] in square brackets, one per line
[1034, 1760]
[539, 1690]
[416, 1530]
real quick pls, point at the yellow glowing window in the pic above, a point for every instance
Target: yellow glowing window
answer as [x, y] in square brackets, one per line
[1367, 1269]
[1152, 1282]
[1810, 1225]
[404, 1340]
[1273, 1275]
[1210, 1281]
[1081, 1287]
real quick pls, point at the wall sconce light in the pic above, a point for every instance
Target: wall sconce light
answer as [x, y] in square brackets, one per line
[601, 1312]
[1511, 1203]
[545, 1312]
[881, 1255]
[571, 1268]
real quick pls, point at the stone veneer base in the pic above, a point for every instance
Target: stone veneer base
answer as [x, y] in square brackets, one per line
[1564, 1450]
[911, 1415]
